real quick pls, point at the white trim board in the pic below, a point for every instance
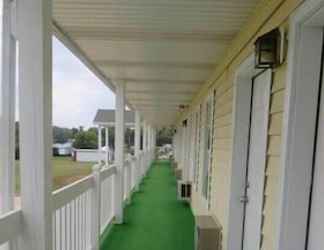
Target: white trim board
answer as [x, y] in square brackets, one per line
[241, 128]
[299, 123]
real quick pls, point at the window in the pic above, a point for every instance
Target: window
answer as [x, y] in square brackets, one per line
[208, 142]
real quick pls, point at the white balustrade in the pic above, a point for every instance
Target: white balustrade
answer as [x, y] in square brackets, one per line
[83, 209]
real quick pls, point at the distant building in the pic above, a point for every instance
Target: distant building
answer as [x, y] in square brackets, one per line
[62, 149]
[92, 155]
[106, 118]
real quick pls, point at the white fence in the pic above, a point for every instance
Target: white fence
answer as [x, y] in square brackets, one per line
[83, 209]
[91, 155]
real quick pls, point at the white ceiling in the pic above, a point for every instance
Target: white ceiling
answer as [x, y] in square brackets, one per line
[164, 50]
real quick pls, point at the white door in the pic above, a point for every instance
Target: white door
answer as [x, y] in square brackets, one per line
[316, 219]
[256, 160]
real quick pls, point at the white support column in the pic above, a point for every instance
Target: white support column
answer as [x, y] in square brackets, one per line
[35, 102]
[99, 144]
[148, 137]
[7, 111]
[138, 169]
[107, 145]
[144, 136]
[137, 133]
[145, 147]
[119, 149]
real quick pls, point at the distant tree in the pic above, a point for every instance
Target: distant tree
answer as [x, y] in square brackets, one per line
[164, 136]
[86, 140]
[61, 135]
[74, 132]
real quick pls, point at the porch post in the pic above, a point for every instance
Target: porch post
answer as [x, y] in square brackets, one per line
[35, 102]
[107, 146]
[7, 111]
[137, 146]
[144, 136]
[99, 143]
[144, 147]
[148, 137]
[119, 148]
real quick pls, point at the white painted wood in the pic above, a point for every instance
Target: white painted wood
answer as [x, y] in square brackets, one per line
[299, 123]
[63, 196]
[144, 136]
[107, 172]
[257, 160]
[119, 151]
[95, 208]
[137, 148]
[241, 127]
[164, 59]
[99, 143]
[241, 121]
[316, 225]
[35, 106]
[137, 133]
[107, 145]
[7, 110]
[10, 226]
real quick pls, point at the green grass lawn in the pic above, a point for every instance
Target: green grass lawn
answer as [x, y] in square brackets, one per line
[65, 171]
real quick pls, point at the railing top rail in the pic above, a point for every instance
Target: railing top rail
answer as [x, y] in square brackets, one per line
[68, 193]
[10, 225]
[106, 172]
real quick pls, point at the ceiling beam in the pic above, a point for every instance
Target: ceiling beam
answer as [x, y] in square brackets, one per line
[159, 81]
[161, 92]
[147, 64]
[132, 34]
[179, 99]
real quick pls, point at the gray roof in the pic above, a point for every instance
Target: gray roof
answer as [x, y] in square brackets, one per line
[106, 117]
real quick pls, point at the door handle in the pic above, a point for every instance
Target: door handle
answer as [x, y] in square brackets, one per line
[244, 199]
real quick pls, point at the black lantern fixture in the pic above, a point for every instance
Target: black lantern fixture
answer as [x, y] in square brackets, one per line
[267, 50]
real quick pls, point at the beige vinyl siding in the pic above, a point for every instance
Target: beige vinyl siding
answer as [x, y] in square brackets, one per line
[270, 14]
[272, 184]
[222, 152]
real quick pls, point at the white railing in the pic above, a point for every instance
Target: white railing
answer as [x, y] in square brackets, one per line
[107, 196]
[83, 209]
[10, 226]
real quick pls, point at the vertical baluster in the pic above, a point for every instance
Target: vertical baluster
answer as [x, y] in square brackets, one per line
[66, 226]
[71, 225]
[84, 222]
[54, 230]
[61, 230]
[74, 225]
[77, 224]
[95, 209]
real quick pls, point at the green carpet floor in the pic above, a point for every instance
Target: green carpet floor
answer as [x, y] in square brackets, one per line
[155, 220]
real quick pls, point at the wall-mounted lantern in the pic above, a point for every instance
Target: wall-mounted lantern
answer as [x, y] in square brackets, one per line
[268, 50]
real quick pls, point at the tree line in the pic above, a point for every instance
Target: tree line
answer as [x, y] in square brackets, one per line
[83, 138]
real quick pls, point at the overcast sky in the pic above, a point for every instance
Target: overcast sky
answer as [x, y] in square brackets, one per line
[77, 92]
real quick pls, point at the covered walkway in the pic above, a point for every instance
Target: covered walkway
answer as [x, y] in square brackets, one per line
[155, 220]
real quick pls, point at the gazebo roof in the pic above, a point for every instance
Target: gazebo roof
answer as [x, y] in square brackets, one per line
[106, 117]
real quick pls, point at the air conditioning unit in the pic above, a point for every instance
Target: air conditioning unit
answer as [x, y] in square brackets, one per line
[208, 233]
[184, 191]
[178, 173]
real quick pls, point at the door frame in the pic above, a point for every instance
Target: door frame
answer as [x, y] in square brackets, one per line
[241, 133]
[299, 124]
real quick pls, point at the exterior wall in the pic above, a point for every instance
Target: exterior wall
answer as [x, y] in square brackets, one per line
[272, 180]
[272, 14]
[88, 155]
